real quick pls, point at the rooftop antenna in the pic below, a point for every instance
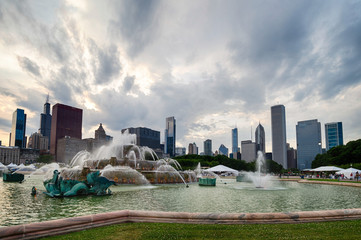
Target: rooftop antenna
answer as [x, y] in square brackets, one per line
[47, 98]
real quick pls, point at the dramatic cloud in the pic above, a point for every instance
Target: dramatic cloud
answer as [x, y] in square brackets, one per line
[4, 123]
[136, 23]
[211, 64]
[128, 83]
[27, 65]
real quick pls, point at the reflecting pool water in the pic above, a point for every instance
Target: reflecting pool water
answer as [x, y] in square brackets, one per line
[17, 206]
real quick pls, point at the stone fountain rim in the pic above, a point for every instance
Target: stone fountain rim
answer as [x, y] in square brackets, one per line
[73, 224]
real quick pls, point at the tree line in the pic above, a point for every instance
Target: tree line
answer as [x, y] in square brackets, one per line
[341, 156]
[190, 162]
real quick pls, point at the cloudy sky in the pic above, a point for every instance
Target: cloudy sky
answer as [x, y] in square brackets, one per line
[210, 64]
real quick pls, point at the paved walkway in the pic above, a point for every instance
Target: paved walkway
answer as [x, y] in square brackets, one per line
[313, 181]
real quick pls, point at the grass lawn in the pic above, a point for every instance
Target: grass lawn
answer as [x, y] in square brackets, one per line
[324, 230]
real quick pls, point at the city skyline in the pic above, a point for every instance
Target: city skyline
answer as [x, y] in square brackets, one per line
[135, 68]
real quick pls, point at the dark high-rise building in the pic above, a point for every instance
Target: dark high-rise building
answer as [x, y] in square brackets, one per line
[18, 128]
[308, 136]
[145, 137]
[279, 148]
[208, 147]
[260, 139]
[45, 121]
[66, 122]
[291, 157]
[170, 136]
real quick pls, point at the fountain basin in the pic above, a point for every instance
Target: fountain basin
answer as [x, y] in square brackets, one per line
[207, 182]
[13, 177]
[17, 206]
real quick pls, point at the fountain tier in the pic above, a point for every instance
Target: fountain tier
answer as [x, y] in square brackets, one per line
[126, 164]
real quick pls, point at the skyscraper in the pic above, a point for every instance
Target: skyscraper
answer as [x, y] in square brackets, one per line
[249, 152]
[180, 151]
[170, 136]
[260, 139]
[234, 142]
[333, 134]
[192, 148]
[145, 137]
[45, 121]
[66, 122]
[308, 142]
[291, 157]
[279, 148]
[18, 128]
[38, 141]
[223, 150]
[100, 133]
[208, 147]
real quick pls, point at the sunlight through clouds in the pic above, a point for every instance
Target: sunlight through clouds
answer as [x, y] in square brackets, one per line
[210, 64]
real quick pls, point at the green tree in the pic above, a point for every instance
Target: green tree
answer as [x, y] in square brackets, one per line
[191, 162]
[340, 156]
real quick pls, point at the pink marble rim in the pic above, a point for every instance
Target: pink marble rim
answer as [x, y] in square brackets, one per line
[66, 225]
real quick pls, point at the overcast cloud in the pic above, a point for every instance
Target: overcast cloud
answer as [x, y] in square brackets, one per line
[212, 65]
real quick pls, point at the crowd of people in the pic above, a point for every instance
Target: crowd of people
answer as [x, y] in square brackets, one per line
[352, 176]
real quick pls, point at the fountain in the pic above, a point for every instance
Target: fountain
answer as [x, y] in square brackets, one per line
[20, 206]
[259, 178]
[3, 169]
[46, 170]
[123, 175]
[204, 177]
[68, 184]
[115, 164]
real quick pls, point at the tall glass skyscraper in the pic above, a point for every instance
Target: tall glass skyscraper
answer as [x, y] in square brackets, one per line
[45, 121]
[234, 142]
[308, 142]
[18, 128]
[333, 135]
[223, 150]
[208, 147]
[260, 139]
[170, 136]
[279, 147]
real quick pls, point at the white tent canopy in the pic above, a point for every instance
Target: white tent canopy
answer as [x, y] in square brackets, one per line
[221, 168]
[327, 169]
[347, 172]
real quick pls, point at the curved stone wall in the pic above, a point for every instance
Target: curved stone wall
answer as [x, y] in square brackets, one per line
[66, 225]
